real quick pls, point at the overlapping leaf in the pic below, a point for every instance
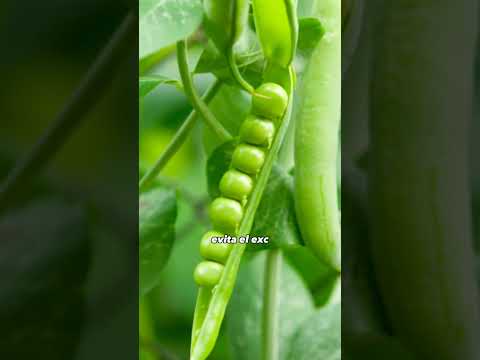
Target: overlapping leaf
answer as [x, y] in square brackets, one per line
[158, 211]
[163, 22]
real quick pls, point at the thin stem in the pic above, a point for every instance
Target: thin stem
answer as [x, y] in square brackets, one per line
[178, 140]
[151, 60]
[86, 96]
[271, 304]
[198, 104]
[236, 73]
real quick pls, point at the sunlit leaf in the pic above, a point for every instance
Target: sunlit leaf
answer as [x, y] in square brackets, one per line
[163, 22]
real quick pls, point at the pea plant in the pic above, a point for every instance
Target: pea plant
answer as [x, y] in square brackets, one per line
[268, 281]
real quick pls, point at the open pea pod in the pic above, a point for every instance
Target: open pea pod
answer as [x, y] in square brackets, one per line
[216, 286]
[277, 28]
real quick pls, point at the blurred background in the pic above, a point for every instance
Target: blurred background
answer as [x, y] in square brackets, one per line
[411, 181]
[68, 235]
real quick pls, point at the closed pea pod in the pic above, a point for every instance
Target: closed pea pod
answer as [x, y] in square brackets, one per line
[224, 23]
[316, 142]
[277, 29]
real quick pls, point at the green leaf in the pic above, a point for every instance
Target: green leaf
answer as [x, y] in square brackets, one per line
[310, 33]
[313, 272]
[276, 216]
[171, 300]
[44, 262]
[158, 212]
[319, 337]
[217, 164]
[163, 22]
[230, 106]
[146, 84]
[244, 313]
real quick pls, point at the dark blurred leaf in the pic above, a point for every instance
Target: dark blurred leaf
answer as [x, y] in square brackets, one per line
[310, 32]
[363, 160]
[371, 346]
[44, 259]
[319, 337]
[39, 186]
[217, 164]
[363, 308]
[351, 30]
[244, 314]
[148, 83]
[275, 216]
[174, 304]
[230, 106]
[158, 211]
[163, 22]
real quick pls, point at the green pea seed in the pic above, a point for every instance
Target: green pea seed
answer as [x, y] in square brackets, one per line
[214, 251]
[225, 214]
[236, 185]
[256, 131]
[208, 273]
[270, 101]
[248, 158]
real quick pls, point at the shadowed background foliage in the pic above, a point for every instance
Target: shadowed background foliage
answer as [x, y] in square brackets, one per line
[68, 233]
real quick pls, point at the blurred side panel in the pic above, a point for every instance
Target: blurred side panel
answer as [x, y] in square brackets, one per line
[69, 180]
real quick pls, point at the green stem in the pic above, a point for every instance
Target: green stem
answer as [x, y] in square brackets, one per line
[85, 97]
[151, 60]
[271, 303]
[236, 73]
[198, 104]
[178, 140]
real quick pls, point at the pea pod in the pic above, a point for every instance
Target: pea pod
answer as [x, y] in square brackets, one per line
[233, 214]
[225, 21]
[316, 142]
[277, 28]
